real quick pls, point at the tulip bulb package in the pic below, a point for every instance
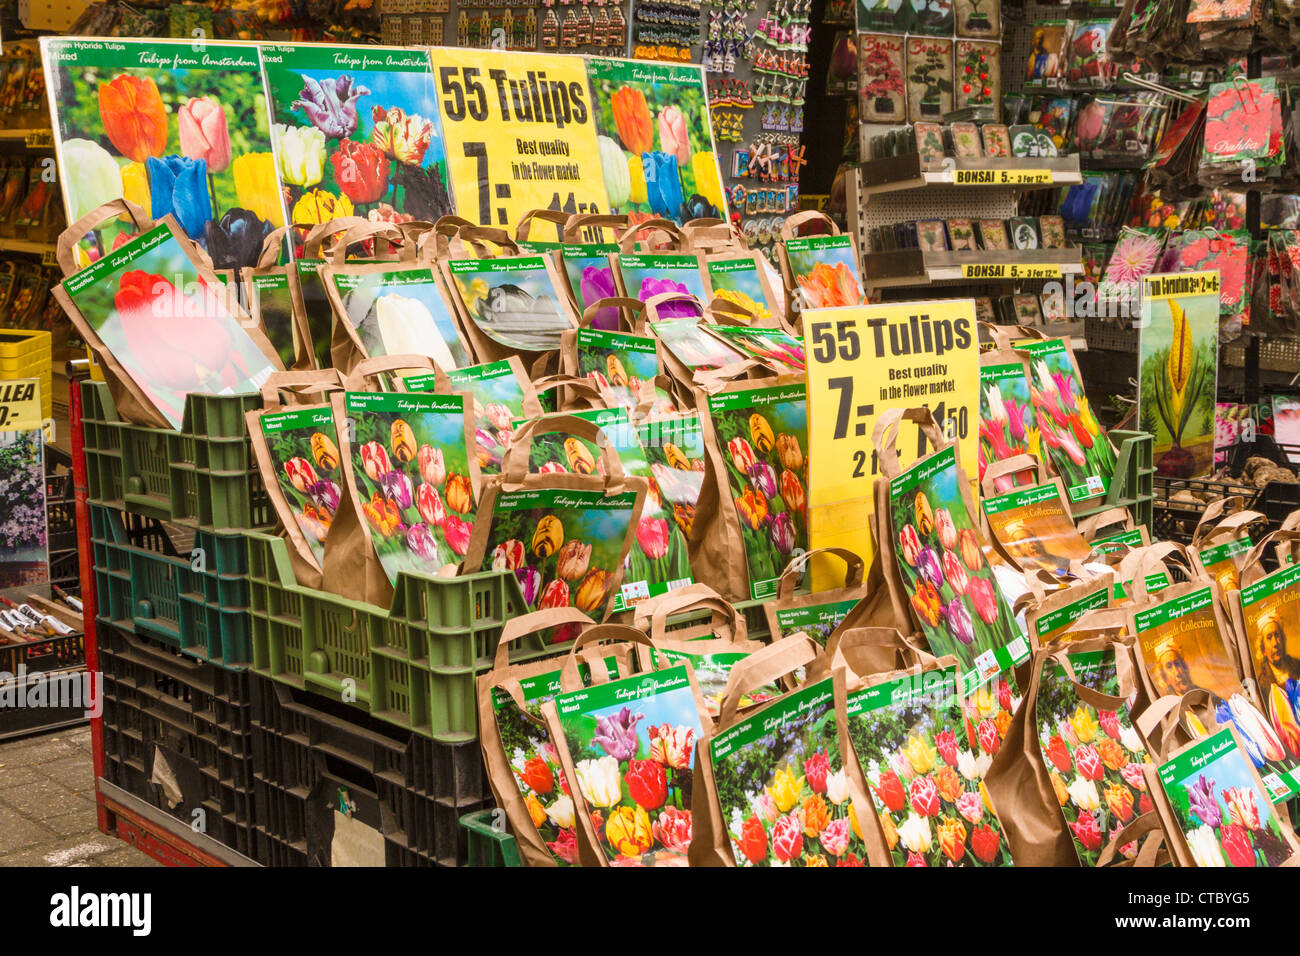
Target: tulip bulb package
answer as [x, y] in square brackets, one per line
[1220, 561]
[303, 455]
[823, 272]
[712, 670]
[1052, 624]
[591, 277]
[1181, 645]
[692, 346]
[630, 747]
[923, 756]
[178, 128]
[646, 276]
[946, 577]
[759, 436]
[1078, 448]
[619, 365]
[357, 132]
[674, 448]
[515, 302]
[782, 786]
[1220, 808]
[150, 313]
[1006, 424]
[411, 477]
[742, 282]
[1094, 757]
[1033, 527]
[383, 309]
[777, 349]
[270, 302]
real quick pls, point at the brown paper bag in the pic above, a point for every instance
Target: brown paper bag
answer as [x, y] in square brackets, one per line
[1049, 614]
[740, 281]
[1221, 540]
[1031, 526]
[821, 613]
[1261, 612]
[273, 306]
[821, 224]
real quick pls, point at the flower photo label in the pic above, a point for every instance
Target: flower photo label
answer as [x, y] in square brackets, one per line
[399, 312]
[303, 446]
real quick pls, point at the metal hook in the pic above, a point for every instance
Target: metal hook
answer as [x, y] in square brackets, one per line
[1157, 88]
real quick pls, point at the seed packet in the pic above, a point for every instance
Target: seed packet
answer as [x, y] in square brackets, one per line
[882, 92]
[996, 140]
[775, 348]
[931, 236]
[617, 363]
[1024, 232]
[929, 78]
[930, 20]
[11, 91]
[1032, 527]
[1087, 63]
[1046, 51]
[1220, 807]
[512, 303]
[1243, 122]
[741, 281]
[1026, 309]
[979, 18]
[961, 235]
[645, 276]
[31, 212]
[984, 309]
[1006, 416]
[1052, 307]
[304, 455]
[966, 140]
[591, 276]
[978, 73]
[993, 234]
[824, 271]
[896, 16]
[929, 144]
[692, 346]
[1029, 141]
[1051, 230]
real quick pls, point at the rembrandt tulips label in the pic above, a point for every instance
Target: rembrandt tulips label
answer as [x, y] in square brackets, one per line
[762, 434]
[817, 620]
[400, 312]
[949, 582]
[712, 671]
[356, 133]
[536, 766]
[1270, 612]
[655, 140]
[1006, 426]
[783, 788]
[411, 478]
[1219, 808]
[619, 365]
[775, 348]
[1035, 529]
[632, 743]
[647, 276]
[1076, 445]
[513, 301]
[1181, 646]
[924, 761]
[825, 272]
[738, 281]
[498, 404]
[305, 455]
[180, 129]
[564, 547]
[164, 325]
[1094, 758]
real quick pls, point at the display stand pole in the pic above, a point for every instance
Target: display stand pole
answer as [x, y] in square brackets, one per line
[1250, 362]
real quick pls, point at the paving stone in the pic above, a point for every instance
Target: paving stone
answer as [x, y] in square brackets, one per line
[16, 831]
[18, 776]
[75, 773]
[43, 799]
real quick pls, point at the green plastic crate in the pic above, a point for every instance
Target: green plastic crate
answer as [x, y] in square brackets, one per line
[413, 664]
[204, 474]
[489, 844]
[192, 596]
[1133, 485]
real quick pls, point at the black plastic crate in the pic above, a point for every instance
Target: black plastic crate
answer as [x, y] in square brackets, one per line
[178, 734]
[1177, 520]
[1277, 500]
[61, 522]
[314, 758]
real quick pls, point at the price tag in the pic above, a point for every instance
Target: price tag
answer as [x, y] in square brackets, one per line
[863, 360]
[20, 405]
[39, 139]
[679, 583]
[1002, 177]
[635, 592]
[1009, 270]
[987, 664]
[520, 134]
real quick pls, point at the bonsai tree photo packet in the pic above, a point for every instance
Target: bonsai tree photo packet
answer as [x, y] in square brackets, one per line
[153, 315]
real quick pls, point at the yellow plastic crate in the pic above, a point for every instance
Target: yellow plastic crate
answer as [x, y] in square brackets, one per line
[20, 343]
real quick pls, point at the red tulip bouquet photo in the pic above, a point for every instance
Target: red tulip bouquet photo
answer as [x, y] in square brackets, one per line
[924, 761]
[357, 133]
[1093, 757]
[177, 128]
[412, 478]
[165, 324]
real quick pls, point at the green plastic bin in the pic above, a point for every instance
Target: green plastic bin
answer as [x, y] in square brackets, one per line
[489, 843]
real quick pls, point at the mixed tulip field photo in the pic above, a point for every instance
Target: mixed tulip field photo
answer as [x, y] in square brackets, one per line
[172, 135]
[1093, 758]
[305, 455]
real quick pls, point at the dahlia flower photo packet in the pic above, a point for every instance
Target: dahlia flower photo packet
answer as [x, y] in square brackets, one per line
[357, 132]
[180, 129]
[824, 272]
[782, 786]
[1220, 808]
[631, 744]
[303, 452]
[923, 757]
[168, 326]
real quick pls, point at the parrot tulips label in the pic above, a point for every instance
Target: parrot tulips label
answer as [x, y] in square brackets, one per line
[1077, 447]
[304, 451]
[816, 620]
[1094, 758]
[712, 671]
[398, 312]
[782, 785]
[825, 272]
[655, 140]
[514, 302]
[647, 276]
[1178, 355]
[498, 403]
[1220, 809]
[180, 129]
[632, 745]
[412, 480]
[692, 346]
[1270, 614]
[775, 348]
[1182, 648]
[924, 761]
[762, 434]
[619, 365]
[948, 581]
[546, 793]
[165, 325]
[1007, 424]
[1035, 530]
[739, 282]
[356, 133]
[564, 546]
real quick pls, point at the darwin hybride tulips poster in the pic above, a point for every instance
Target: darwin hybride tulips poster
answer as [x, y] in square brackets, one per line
[357, 133]
[175, 127]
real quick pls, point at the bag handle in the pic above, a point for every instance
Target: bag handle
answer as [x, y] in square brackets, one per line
[885, 435]
[1292, 521]
[541, 215]
[584, 388]
[998, 334]
[372, 230]
[311, 245]
[573, 229]
[570, 679]
[1034, 581]
[722, 311]
[854, 569]
[766, 666]
[371, 367]
[1123, 677]
[534, 623]
[1227, 525]
[315, 382]
[634, 325]
[1219, 507]
[695, 597]
[1089, 526]
[68, 238]
[1009, 466]
[1136, 829]
[653, 304]
[790, 228]
[627, 241]
[271, 248]
[1148, 559]
[514, 464]
[1286, 544]
[915, 658]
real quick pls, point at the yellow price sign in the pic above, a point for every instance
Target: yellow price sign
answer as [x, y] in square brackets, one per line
[1177, 285]
[20, 405]
[1002, 177]
[39, 139]
[863, 360]
[1009, 270]
[520, 134]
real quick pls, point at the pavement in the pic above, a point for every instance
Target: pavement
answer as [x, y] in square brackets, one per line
[47, 805]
